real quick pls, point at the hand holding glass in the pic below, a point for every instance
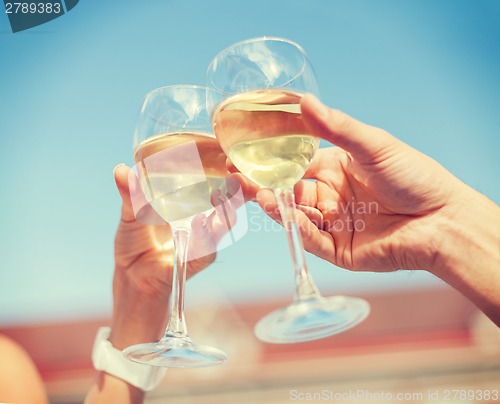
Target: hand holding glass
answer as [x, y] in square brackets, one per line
[180, 165]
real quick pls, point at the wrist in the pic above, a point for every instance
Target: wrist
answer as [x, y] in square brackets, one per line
[110, 360]
[137, 316]
[126, 332]
[469, 256]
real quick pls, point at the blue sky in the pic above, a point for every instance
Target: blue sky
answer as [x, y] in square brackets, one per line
[70, 92]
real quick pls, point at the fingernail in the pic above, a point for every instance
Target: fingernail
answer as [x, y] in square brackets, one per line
[114, 169]
[200, 221]
[233, 186]
[321, 109]
[216, 195]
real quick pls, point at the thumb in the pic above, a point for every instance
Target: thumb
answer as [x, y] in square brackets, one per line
[364, 142]
[121, 174]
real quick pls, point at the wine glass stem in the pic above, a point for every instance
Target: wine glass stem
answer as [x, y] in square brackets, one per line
[304, 284]
[177, 322]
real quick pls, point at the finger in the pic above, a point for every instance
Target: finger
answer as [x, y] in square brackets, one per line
[364, 142]
[305, 193]
[132, 238]
[306, 199]
[209, 231]
[316, 240]
[224, 216]
[267, 201]
[231, 167]
[327, 163]
[313, 214]
[234, 192]
[162, 237]
[248, 187]
[121, 174]
[202, 245]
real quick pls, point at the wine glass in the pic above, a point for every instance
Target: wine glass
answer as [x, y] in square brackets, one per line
[179, 165]
[257, 120]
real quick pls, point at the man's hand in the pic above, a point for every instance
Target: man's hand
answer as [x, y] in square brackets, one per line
[377, 204]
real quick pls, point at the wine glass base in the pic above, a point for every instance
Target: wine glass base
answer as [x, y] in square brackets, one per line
[312, 319]
[174, 352]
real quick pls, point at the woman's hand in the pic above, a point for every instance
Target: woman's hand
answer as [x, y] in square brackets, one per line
[143, 268]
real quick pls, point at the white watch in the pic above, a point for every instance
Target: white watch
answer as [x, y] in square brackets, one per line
[108, 359]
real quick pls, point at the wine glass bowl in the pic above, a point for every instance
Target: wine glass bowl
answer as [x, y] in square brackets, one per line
[257, 120]
[273, 158]
[261, 63]
[256, 109]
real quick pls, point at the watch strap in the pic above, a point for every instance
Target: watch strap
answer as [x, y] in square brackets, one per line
[108, 359]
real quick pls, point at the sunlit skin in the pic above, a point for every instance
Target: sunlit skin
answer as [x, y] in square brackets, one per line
[411, 212]
[142, 282]
[143, 267]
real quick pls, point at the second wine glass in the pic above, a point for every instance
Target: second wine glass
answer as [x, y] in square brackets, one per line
[257, 120]
[180, 164]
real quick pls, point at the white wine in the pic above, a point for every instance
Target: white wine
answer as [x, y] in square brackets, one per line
[276, 162]
[183, 159]
[264, 136]
[180, 201]
[179, 173]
